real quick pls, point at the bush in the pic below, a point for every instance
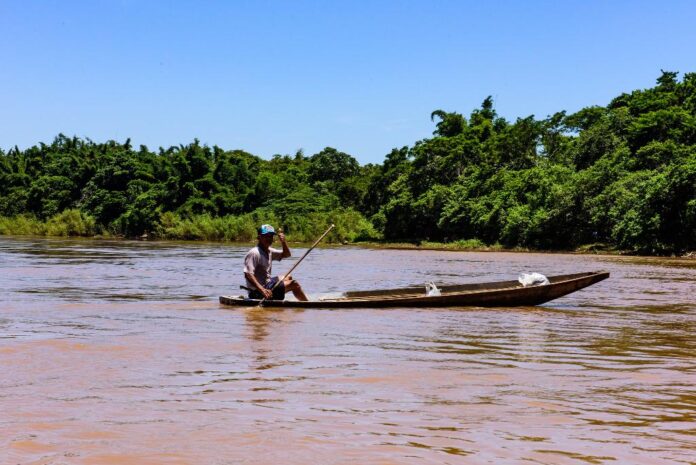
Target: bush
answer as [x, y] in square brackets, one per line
[66, 223]
[71, 223]
[22, 225]
[205, 227]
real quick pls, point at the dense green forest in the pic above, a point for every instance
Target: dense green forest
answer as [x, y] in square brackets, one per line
[621, 176]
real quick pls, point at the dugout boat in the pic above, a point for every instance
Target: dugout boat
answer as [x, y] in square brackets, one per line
[493, 294]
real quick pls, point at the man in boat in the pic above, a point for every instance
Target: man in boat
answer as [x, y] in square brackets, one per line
[257, 268]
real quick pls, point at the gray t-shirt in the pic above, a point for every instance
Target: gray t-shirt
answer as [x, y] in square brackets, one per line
[257, 263]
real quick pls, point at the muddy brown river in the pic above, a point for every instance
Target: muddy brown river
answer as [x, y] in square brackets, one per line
[117, 352]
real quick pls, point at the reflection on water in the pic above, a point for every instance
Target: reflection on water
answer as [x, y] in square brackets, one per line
[118, 353]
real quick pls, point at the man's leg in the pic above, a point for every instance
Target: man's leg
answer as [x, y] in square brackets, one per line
[278, 289]
[294, 286]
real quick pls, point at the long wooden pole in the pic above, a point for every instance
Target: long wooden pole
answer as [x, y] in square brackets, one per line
[300, 260]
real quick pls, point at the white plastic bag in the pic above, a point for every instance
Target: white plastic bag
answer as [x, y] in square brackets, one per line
[533, 279]
[431, 289]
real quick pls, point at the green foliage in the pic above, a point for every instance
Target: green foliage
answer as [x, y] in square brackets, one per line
[67, 223]
[350, 226]
[450, 124]
[22, 225]
[206, 227]
[622, 175]
[71, 223]
[332, 165]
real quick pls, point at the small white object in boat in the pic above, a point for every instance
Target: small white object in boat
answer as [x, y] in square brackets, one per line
[431, 289]
[533, 279]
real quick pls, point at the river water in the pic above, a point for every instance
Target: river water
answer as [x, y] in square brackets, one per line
[117, 352]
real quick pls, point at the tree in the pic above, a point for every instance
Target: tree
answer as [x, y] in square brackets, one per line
[450, 124]
[331, 165]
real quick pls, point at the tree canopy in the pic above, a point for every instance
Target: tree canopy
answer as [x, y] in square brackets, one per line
[623, 175]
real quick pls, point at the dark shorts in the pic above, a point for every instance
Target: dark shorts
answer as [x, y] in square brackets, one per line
[278, 292]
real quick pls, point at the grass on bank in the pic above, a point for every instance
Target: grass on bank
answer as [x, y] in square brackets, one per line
[351, 226]
[462, 244]
[66, 223]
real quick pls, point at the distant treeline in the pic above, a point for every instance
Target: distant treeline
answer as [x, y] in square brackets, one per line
[621, 176]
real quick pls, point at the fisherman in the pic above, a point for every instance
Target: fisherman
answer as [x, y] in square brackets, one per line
[257, 268]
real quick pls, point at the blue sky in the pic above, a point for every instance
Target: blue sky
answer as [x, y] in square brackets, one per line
[361, 76]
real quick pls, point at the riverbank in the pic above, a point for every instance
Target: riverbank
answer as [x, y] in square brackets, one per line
[472, 245]
[590, 249]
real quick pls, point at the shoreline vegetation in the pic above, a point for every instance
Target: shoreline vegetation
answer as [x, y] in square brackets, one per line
[619, 178]
[76, 224]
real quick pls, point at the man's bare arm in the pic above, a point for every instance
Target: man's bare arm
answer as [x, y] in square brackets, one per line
[283, 242]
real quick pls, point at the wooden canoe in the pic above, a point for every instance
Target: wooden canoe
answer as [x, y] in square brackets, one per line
[495, 294]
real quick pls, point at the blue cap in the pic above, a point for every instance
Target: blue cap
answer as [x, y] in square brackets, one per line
[266, 229]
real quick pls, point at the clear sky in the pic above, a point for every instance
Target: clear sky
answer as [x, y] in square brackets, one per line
[276, 76]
